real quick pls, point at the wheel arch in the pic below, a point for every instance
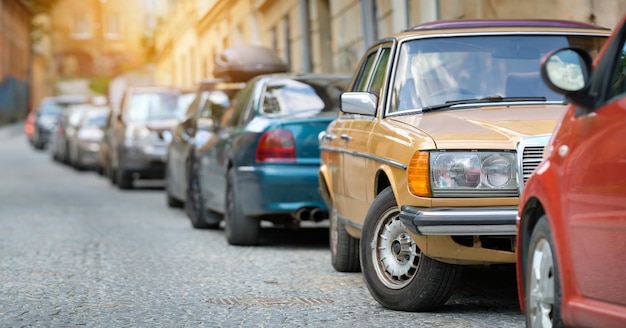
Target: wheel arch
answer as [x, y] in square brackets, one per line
[533, 210]
[324, 178]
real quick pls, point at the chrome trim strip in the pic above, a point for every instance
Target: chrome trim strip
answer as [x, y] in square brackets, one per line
[460, 221]
[364, 155]
[246, 168]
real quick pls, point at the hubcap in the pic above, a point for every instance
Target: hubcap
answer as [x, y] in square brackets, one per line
[394, 253]
[541, 286]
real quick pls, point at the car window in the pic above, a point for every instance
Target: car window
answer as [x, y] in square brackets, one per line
[379, 71]
[303, 97]
[239, 104]
[437, 70]
[617, 87]
[364, 73]
[97, 119]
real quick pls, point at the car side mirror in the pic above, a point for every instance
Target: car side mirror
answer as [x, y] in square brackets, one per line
[568, 71]
[358, 103]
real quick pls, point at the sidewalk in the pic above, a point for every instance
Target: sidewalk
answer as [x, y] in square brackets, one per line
[11, 130]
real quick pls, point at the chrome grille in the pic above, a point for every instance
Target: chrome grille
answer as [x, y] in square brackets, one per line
[531, 158]
[531, 151]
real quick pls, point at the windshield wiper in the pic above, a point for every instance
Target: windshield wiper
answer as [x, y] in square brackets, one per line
[495, 98]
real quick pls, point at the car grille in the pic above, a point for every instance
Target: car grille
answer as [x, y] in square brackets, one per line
[531, 150]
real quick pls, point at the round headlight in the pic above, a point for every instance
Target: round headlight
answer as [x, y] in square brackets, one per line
[496, 171]
[456, 170]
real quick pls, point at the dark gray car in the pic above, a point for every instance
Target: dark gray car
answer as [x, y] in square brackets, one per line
[139, 134]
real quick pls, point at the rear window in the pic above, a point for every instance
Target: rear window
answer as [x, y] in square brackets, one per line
[284, 96]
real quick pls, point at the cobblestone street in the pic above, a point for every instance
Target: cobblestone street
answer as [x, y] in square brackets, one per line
[75, 251]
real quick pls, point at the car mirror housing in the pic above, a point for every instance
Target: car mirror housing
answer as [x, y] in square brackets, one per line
[567, 71]
[363, 103]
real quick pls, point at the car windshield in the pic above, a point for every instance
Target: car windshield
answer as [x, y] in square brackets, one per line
[151, 106]
[435, 71]
[285, 96]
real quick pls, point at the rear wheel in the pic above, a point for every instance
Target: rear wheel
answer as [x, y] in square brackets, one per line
[200, 217]
[543, 288]
[397, 274]
[239, 229]
[344, 249]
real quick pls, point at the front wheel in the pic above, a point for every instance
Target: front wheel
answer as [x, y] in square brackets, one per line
[397, 274]
[542, 284]
[200, 217]
[238, 228]
[172, 201]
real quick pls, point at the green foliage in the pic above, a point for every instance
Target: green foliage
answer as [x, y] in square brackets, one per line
[99, 84]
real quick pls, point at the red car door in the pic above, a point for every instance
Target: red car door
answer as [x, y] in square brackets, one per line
[595, 191]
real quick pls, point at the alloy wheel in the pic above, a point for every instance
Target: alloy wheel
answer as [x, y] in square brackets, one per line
[541, 286]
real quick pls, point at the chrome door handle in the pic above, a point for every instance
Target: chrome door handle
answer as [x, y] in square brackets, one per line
[345, 137]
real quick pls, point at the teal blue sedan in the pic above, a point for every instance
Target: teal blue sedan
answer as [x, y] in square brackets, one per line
[258, 159]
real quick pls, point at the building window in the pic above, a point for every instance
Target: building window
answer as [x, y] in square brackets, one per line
[286, 43]
[274, 39]
[81, 27]
[113, 29]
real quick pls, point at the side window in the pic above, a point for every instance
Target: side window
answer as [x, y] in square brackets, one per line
[239, 104]
[379, 72]
[364, 73]
[617, 87]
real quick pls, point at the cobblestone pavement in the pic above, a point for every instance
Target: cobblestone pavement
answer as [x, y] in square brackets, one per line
[76, 252]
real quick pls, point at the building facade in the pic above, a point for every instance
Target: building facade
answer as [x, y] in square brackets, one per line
[327, 35]
[99, 37]
[15, 59]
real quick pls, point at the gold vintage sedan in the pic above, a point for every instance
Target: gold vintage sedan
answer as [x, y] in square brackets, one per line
[423, 169]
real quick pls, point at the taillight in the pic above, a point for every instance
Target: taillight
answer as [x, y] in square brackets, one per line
[276, 146]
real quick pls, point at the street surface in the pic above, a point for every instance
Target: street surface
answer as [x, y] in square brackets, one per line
[74, 251]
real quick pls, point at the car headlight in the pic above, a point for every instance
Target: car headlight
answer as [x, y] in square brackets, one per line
[137, 133]
[463, 174]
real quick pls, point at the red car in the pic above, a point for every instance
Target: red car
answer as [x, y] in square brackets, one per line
[571, 226]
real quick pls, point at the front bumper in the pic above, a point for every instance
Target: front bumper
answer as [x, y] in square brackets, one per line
[146, 160]
[460, 221]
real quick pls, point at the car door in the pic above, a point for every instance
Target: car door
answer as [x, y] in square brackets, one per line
[356, 139]
[213, 154]
[183, 137]
[595, 193]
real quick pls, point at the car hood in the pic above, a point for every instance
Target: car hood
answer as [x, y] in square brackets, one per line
[495, 127]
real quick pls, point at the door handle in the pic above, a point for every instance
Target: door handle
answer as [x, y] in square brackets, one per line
[345, 137]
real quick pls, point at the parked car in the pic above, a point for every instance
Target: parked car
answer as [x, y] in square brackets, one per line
[211, 98]
[85, 143]
[42, 122]
[65, 129]
[422, 169]
[139, 134]
[260, 157]
[572, 212]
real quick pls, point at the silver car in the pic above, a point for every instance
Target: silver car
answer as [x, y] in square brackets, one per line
[84, 144]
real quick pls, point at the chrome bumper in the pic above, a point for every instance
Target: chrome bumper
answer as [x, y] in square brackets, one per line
[460, 221]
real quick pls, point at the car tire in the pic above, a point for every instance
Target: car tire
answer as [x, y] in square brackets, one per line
[172, 201]
[344, 249]
[239, 229]
[397, 275]
[200, 216]
[542, 282]
[123, 179]
[112, 175]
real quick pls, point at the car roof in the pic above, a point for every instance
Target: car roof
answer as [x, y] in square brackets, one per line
[475, 26]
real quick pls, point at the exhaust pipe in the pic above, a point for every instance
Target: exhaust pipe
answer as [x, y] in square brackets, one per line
[303, 214]
[318, 215]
